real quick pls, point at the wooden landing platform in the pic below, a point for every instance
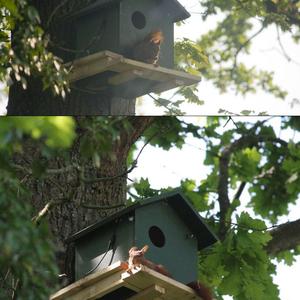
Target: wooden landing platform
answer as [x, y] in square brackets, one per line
[109, 70]
[114, 283]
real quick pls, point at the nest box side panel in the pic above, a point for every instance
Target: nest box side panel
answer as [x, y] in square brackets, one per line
[97, 31]
[90, 249]
[138, 19]
[170, 241]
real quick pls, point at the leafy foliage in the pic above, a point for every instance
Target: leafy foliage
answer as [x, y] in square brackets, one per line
[241, 262]
[27, 254]
[100, 134]
[29, 54]
[222, 46]
[217, 54]
[56, 132]
[27, 259]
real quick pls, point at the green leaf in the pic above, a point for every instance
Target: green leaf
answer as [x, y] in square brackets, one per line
[143, 188]
[11, 6]
[247, 112]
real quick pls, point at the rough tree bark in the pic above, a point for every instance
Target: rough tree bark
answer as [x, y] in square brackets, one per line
[69, 196]
[284, 237]
[36, 101]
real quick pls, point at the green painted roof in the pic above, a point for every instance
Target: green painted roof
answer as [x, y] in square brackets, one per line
[179, 13]
[182, 208]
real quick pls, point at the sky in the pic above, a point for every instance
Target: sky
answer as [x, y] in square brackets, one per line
[265, 53]
[178, 164]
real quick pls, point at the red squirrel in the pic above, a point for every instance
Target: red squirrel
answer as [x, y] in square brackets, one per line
[201, 290]
[148, 50]
[137, 258]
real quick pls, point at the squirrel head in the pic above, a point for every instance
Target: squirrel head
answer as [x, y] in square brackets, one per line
[156, 36]
[133, 251]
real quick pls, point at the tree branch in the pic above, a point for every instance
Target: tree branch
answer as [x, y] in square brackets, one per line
[223, 199]
[240, 190]
[284, 237]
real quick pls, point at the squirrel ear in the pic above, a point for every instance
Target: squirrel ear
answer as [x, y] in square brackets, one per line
[145, 248]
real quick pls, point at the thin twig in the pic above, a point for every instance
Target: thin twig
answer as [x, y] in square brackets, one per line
[96, 37]
[172, 111]
[245, 44]
[146, 143]
[245, 227]
[5, 278]
[133, 166]
[66, 49]
[98, 179]
[55, 11]
[48, 171]
[237, 127]
[67, 169]
[15, 288]
[288, 58]
[284, 53]
[106, 207]
[36, 219]
[227, 122]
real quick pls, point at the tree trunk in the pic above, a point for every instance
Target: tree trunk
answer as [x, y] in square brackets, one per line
[74, 200]
[36, 101]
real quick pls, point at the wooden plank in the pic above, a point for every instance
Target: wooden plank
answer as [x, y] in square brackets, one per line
[164, 86]
[152, 292]
[173, 289]
[107, 60]
[147, 283]
[167, 71]
[125, 76]
[148, 71]
[89, 280]
[92, 68]
[99, 289]
[126, 71]
[94, 58]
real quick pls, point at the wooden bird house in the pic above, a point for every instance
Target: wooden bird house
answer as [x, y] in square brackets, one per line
[168, 224]
[118, 25]
[104, 35]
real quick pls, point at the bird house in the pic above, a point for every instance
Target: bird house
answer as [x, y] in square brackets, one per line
[118, 25]
[168, 224]
[106, 36]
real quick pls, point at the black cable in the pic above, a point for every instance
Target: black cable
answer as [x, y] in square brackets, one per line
[109, 246]
[114, 248]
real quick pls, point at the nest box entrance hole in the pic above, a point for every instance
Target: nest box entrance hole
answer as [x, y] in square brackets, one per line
[157, 236]
[138, 20]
